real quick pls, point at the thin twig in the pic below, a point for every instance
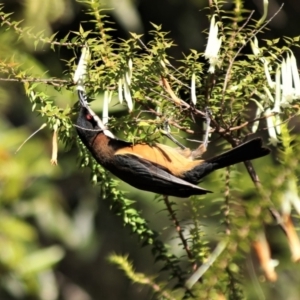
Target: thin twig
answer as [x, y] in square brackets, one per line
[226, 210]
[178, 227]
[275, 214]
[54, 82]
[20, 31]
[205, 266]
[42, 127]
[236, 55]
[253, 33]
[158, 289]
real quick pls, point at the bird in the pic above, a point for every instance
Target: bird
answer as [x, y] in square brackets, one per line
[157, 168]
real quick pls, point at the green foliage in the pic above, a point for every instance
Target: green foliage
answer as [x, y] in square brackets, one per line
[239, 82]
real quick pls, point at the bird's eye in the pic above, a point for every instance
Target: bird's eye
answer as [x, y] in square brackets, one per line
[89, 117]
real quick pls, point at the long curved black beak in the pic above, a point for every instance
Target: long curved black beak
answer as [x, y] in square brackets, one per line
[82, 97]
[80, 75]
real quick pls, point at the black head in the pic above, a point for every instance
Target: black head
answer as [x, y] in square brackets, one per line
[87, 127]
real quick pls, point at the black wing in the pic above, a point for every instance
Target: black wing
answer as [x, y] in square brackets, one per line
[148, 176]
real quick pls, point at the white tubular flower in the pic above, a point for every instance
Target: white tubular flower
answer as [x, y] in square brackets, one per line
[295, 75]
[276, 108]
[127, 95]
[271, 123]
[193, 89]
[120, 90]
[162, 63]
[130, 65]
[269, 94]
[264, 16]
[271, 83]
[277, 122]
[254, 46]
[287, 83]
[105, 108]
[106, 101]
[213, 45]
[128, 75]
[259, 110]
[124, 86]
[256, 51]
[127, 78]
[81, 69]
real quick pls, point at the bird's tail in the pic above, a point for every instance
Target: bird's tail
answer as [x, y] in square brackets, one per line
[247, 151]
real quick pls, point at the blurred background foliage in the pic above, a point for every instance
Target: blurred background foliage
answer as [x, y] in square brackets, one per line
[55, 232]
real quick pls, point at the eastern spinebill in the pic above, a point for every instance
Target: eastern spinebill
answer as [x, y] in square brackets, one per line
[157, 168]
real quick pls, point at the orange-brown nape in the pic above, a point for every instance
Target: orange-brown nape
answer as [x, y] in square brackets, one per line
[159, 168]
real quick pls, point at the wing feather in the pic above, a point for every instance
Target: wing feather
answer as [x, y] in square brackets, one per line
[147, 175]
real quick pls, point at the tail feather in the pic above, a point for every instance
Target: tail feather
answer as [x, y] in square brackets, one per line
[247, 151]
